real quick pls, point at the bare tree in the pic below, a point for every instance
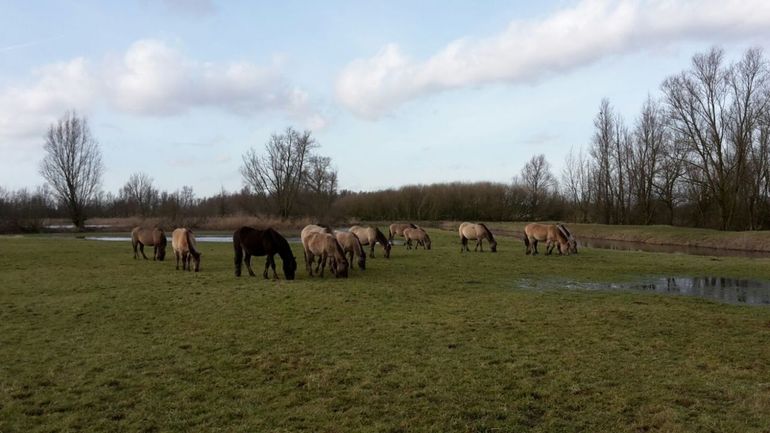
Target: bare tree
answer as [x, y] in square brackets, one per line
[651, 137]
[715, 107]
[280, 172]
[140, 192]
[601, 151]
[578, 184]
[539, 183]
[72, 165]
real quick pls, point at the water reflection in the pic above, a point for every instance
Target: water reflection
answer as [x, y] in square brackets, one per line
[729, 290]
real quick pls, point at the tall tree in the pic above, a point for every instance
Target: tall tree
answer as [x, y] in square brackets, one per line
[280, 172]
[72, 165]
[139, 191]
[539, 183]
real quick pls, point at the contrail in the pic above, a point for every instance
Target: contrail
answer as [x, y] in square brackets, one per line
[28, 44]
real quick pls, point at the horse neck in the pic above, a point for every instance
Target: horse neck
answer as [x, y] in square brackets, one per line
[380, 237]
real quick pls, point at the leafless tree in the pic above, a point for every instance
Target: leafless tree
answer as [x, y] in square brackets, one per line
[602, 151]
[140, 192]
[72, 165]
[651, 136]
[577, 184]
[539, 182]
[279, 173]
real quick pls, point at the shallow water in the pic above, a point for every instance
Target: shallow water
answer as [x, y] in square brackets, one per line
[728, 290]
[681, 249]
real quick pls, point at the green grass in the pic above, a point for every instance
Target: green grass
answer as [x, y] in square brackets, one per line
[92, 340]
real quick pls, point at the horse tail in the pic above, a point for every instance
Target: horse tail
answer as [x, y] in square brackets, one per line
[191, 243]
[238, 252]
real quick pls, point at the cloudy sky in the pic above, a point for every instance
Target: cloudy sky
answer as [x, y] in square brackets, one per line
[396, 92]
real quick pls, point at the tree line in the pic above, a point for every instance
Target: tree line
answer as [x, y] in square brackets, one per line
[696, 155]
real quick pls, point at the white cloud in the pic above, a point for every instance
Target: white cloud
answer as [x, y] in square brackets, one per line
[529, 50]
[151, 78]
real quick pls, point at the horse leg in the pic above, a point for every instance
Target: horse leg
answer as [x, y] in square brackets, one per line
[322, 263]
[478, 245]
[133, 244]
[267, 265]
[141, 250]
[534, 247]
[272, 265]
[247, 259]
[176, 254]
[371, 249]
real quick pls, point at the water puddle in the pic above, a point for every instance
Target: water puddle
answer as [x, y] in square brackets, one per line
[728, 290]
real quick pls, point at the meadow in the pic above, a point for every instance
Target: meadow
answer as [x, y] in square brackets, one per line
[434, 341]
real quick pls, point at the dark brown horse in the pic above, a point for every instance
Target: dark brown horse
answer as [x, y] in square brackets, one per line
[249, 242]
[152, 238]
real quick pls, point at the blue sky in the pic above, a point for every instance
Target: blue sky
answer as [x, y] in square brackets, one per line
[395, 92]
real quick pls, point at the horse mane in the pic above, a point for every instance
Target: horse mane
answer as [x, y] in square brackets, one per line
[413, 226]
[190, 245]
[327, 228]
[283, 245]
[562, 232]
[489, 232]
[380, 236]
[337, 245]
[567, 232]
[358, 245]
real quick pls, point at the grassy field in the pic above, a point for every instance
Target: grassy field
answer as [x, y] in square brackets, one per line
[92, 340]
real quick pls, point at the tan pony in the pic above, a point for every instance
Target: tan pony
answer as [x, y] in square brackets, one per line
[476, 232]
[397, 229]
[153, 237]
[351, 245]
[317, 241]
[370, 236]
[419, 235]
[552, 234]
[185, 248]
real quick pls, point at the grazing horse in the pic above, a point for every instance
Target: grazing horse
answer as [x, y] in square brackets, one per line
[152, 238]
[477, 232]
[397, 229]
[550, 233]
[324, 246]
[572, 242]
[419, 235]
[352, 245]
[371, 235]
[184, 245]
[249, 242]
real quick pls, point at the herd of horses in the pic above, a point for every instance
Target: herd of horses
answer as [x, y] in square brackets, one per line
[338, 249]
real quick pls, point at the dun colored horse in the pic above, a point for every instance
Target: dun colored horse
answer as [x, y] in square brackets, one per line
[397, 229]
[352, 245]
[152, 238]
[476, 232]
[419, 235]
[325, 247]
[371, 235]
[185, 248]
[552, 234]
[249, 242]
